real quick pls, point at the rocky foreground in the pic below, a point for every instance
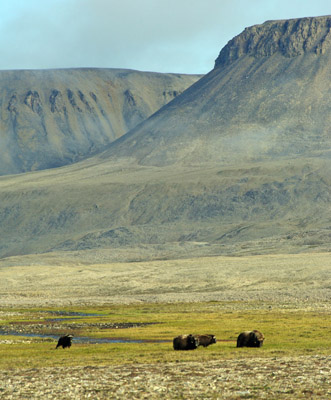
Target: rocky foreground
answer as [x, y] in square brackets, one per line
[277, 378]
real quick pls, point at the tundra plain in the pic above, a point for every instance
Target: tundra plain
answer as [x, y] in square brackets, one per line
[286, 296]
[49, 280]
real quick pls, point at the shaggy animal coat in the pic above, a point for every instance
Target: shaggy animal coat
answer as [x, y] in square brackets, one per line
[64, 341]
[185, 342]
[205, 340]
[250, 339]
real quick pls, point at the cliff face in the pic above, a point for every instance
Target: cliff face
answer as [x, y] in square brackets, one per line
[55, 117]
[290, 38]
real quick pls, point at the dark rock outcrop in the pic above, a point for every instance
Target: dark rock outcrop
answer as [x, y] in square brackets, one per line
[290, 38]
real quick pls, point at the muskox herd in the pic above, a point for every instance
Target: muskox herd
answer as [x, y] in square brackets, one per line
[190, 342]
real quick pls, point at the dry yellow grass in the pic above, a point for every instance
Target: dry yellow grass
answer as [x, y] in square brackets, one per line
[52, 280]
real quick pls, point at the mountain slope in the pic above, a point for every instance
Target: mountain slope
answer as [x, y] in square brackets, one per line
[267, 97]
[237, 164]
[52, 118]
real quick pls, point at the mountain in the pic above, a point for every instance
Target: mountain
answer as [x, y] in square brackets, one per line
[239, 163]
[51, 118]
[267, 97]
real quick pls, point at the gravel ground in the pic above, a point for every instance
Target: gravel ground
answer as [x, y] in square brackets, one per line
[306, 377]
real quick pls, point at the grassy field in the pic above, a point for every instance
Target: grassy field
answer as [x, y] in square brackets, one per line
[288, 332]
[287, 297]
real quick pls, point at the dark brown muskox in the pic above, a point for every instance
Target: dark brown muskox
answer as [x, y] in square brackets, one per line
[64, 341]
[185, 342]
[205, 340]
[250, 339]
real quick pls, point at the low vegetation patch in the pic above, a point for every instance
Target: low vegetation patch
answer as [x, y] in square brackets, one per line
[288, 332]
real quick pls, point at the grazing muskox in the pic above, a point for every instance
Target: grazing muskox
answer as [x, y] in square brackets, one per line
[205, 340]
[64, 341]
[185, 342]
[250, 339]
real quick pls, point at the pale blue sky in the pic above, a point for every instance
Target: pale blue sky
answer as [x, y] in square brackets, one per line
[152, 35]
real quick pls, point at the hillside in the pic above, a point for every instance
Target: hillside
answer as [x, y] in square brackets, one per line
[51, 118]
[267, 97]
[238, 164]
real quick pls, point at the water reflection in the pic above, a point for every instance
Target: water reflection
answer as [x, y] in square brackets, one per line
[72, 315]
[76, 339]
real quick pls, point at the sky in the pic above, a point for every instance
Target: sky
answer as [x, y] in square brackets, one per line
[180, 36]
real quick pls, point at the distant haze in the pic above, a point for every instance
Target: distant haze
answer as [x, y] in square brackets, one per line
[152, 35]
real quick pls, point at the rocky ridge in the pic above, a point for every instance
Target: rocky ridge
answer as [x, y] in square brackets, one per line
[51, 118]
[288, 37]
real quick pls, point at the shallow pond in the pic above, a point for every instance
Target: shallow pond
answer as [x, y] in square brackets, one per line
[67, 316]
[77, 339]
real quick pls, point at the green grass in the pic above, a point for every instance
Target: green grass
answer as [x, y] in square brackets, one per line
[288, 333]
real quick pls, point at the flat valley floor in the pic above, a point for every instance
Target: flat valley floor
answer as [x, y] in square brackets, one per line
[61, 280]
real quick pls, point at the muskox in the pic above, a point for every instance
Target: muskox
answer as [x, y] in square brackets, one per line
[205, 340]
[250, 339]
[185, 342]
[64, 341]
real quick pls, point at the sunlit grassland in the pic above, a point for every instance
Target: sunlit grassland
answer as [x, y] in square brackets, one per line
[288, 332]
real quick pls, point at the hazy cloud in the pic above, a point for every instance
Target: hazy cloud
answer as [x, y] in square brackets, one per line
[159, 35]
